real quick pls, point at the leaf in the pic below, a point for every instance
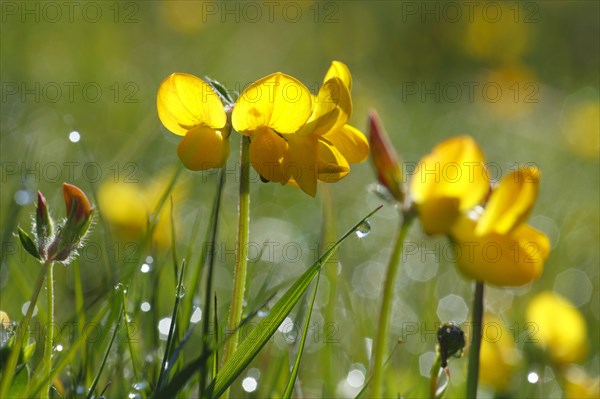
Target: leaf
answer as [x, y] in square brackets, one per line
[290, 385]
[260, 335]
[19, 383]
[28, 244]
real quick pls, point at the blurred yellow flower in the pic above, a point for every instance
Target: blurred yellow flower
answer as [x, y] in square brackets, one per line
[296, 137]
[494, 245]
[561, 328]
[185, 16]
[128, 208]
[581, 129]
[498, 357]
[499, 32]
[509, 92]
[579, 385]
[189, 107]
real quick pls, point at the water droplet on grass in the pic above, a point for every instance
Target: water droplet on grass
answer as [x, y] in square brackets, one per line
[140, 385]
[181, 291]
[121, 287]
[363, 229]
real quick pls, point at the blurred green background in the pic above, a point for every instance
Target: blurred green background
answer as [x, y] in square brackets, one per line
[520, 77]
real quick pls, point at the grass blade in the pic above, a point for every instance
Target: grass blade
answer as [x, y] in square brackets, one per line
[110, 344]
[290, 385]
[178, 294]
[260, 335]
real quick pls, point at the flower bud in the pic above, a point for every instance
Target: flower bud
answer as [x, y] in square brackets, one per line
[385, 159]
[43, 225]
[451, 340]
[71, 234]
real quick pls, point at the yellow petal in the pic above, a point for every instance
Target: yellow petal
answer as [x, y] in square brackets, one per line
[350, 142]
[267, 152]
[331, 109]
[301, 164]
[560, 327]
[203, 148]
[340, 70]
[498, 358]
[278, 101]
[453, 176]
[185, 101]
[332, 165]
[510, 259]
[511, 203]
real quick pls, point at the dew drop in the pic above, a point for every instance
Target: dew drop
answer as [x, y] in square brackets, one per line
[121, 287]
[533, 377]
[181, 291]
[145, 306]
[140, 385]
[263, 313]
[74, 136]
[363, 229]
[145, 268]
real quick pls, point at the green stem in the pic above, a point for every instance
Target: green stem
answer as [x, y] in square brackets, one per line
[239, 273]
[434, 375]
[8, 370]
[381, 339]
[476, 325]
[50, 328]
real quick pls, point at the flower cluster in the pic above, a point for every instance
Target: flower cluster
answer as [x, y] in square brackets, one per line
[486, 221]
[295, 137]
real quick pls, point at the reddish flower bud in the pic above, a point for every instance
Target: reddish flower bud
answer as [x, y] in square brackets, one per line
[43, 224]
[76, 201]
[385, 159]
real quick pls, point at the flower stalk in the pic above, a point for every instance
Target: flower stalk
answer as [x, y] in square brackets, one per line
[381, 339]
[476, 325]
[49, 339]
[239, 273]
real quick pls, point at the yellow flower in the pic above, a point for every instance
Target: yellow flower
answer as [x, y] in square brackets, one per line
[494, 244]
[498, 357]
[560, 327]
[189, 107]
[498, 247]
[449, 181]
[296, 137]
[128, 208]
